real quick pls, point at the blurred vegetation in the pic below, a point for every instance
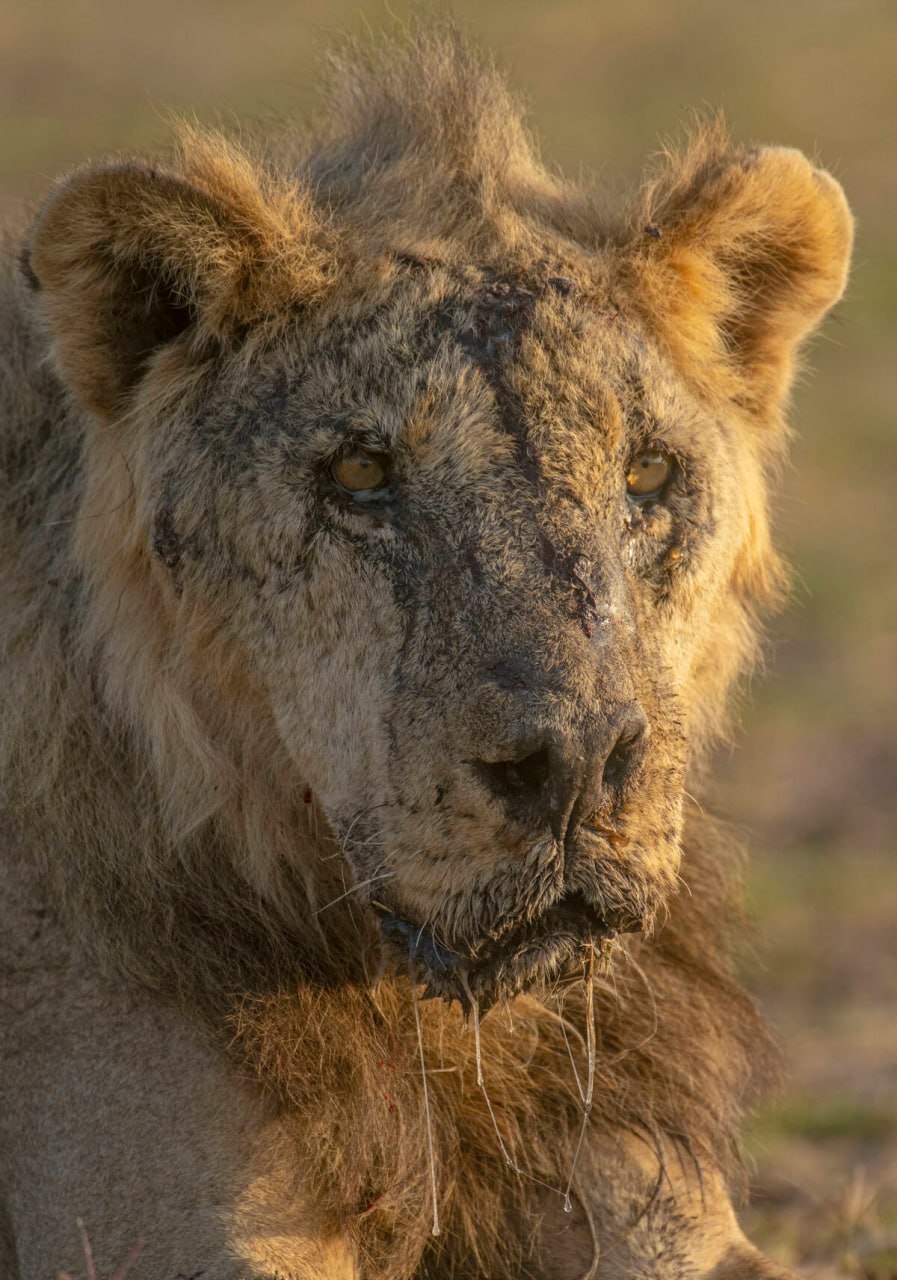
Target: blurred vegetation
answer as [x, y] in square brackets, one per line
[814, 779]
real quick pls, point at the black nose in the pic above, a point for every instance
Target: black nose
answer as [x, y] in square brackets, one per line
[545, 778]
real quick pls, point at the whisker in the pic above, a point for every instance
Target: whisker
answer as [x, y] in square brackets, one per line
[385, 875]
[373, 841]
[694, 800]
[345, 837]
[654, 1014]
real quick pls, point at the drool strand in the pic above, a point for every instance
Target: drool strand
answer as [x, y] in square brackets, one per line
[423, 1072]
[590, 1075]
[478, 1050]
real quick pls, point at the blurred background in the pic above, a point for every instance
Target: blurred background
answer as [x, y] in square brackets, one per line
[812, 779]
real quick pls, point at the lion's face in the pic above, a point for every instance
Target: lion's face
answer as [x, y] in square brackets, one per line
[466, 544]
[466, 555]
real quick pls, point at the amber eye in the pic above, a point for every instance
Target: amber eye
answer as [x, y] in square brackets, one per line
[361, 472]
[648, 473]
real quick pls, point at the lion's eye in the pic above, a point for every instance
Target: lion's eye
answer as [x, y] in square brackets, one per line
[361, 472]
[648, 473]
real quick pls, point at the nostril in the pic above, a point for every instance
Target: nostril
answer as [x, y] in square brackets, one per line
[618, 764]
[531, 773]
[522, 780]
[626, 751]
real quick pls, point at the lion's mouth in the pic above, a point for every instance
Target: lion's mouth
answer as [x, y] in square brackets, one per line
[554, 946]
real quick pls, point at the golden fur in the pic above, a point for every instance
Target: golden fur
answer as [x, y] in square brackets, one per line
[191, 783]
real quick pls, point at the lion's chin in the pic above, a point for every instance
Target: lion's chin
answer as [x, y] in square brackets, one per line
[551, 949]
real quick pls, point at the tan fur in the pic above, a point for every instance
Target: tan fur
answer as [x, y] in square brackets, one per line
[241, 714]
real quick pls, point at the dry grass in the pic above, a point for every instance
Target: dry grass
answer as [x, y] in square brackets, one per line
[120, 1273]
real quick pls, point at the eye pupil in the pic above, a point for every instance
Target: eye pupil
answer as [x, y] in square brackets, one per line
[648, 473]
[360, 472]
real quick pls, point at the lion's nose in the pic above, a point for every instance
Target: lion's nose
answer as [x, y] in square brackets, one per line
[550, 779]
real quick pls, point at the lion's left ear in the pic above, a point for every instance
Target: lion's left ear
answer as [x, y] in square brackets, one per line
[733, 258]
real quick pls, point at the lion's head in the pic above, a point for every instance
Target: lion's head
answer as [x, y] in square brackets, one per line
[418, 491]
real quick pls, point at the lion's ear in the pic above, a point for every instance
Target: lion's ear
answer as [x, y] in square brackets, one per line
[127, 258]
[735, 256]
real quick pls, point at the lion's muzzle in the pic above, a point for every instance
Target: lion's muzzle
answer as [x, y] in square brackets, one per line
[556, 945]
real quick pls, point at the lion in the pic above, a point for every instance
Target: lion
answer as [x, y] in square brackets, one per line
[384, 531]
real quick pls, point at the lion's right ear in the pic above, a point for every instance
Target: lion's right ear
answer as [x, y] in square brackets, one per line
[127, 258]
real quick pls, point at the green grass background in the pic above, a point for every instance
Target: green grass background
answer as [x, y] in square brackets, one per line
[813, 778]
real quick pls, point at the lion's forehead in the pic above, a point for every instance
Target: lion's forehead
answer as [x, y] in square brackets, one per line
[474, 368]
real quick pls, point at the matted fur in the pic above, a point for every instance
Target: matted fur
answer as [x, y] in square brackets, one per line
[142, 760]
